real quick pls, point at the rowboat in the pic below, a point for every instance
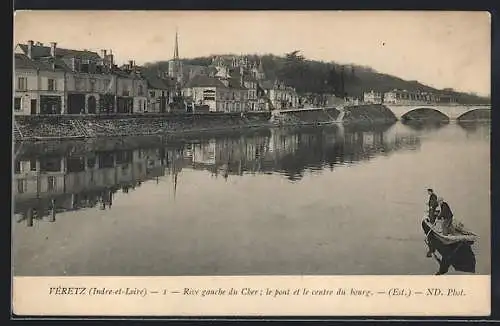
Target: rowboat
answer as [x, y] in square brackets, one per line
[456, 235]
[452, 250]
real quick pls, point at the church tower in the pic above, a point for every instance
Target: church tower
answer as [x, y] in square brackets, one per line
[175, 65]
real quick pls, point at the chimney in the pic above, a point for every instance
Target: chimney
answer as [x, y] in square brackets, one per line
[131, 64]
[103, 54]
[30, 49]
[53, 49]
[111, 59]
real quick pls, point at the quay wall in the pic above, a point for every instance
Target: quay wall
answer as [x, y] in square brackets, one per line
[52, 127]
[59, 127]
[368, 114]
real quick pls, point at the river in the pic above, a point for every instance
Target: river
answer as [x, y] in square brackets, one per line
[319, 201]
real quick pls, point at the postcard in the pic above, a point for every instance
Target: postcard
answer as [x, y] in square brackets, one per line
[251, 163]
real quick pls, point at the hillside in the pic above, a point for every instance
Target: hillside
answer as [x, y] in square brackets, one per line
[309, 76]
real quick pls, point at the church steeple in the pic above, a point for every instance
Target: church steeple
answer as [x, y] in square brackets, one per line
[175, 65]
[176, 46]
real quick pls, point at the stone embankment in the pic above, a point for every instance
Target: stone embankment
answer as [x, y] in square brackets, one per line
[36, 128]
[33, 128]
[360, 114]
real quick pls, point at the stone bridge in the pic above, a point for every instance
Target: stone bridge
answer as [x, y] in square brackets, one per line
[452, 111]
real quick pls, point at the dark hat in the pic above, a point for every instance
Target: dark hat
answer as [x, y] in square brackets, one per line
[430, 189]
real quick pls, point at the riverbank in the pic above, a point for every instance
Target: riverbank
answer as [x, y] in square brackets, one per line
[74, 127]
[40, 128]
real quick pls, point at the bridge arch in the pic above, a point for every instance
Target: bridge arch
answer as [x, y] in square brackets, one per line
[475, 114]
[425, 113]
[451, 111]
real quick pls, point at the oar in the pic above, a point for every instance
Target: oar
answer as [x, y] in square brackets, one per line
[427, 235]
[430, 229]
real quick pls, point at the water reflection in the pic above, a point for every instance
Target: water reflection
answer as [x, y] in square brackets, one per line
[425, 125]
[269, 202]
[476, 129]
[73, 176]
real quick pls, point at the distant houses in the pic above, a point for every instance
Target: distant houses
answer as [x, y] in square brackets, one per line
[397, 96]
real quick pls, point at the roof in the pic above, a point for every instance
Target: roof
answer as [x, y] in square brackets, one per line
[267, 84]
[235, 83]
[211, 70]
[204, 81]
[22, 61]
[39, 51]
[124, 71]
[154, 81]
[249, 78]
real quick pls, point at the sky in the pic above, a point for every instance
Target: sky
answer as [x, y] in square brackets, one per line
[442, 49]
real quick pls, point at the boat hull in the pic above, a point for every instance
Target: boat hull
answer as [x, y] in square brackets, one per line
[467, 237]
[457, 254]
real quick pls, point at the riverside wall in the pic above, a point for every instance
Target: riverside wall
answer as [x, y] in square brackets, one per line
[67, 127]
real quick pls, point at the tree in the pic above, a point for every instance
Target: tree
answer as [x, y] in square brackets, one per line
[293, 70]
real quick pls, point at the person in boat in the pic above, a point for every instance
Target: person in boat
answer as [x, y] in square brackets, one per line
[433, 204]
[446, 215]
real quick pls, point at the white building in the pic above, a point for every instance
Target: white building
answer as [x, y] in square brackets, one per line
[397, 96]
[280, 95]
[216, 95]
[373, 97]
[39, 86]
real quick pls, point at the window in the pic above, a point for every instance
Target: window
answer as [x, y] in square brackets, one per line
[92, 85]
[22, 83]
[51, 84]
[151, 94]
[17, 167]
[79, 84]
[141, 90]
[17, 104]
[209, 95]
[51, 183]
[33, 165]
[20, 186]
[84, 67]
[91, 162]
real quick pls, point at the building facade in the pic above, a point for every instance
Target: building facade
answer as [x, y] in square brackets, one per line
[131, 92]
[51, 80]
[373, 97]
[405, 97]
[82, 79]
[39, 86]
[216, 94]
[161, 91]
[280, 96]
